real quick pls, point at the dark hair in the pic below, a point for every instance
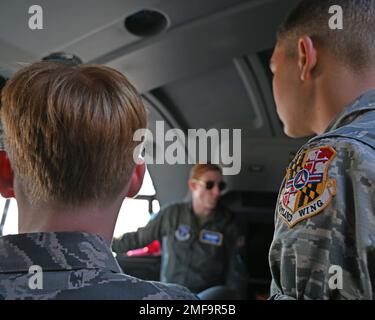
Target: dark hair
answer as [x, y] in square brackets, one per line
[354, 45]
[63, 57]
[68, 130]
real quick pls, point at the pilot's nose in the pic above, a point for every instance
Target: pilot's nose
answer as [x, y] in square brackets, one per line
[216, 191]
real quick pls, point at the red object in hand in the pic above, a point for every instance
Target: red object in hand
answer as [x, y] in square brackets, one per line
[152, 249]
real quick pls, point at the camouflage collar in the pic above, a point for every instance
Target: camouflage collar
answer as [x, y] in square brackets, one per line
[365, 102]
[55, 251]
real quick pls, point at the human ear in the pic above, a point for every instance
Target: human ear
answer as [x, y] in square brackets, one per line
[191, 185]
[136, 179]
[6, 176]
[307, 57]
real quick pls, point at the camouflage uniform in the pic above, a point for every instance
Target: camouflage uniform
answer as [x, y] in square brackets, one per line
[325, 215]
[195, 255]
[75, 266]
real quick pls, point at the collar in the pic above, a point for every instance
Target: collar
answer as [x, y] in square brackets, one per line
[365, 102]
[219, 212]
[55, 251]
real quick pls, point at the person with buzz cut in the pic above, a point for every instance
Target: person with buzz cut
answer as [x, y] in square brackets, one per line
[201, 242]
[68, 160]
[324, 85]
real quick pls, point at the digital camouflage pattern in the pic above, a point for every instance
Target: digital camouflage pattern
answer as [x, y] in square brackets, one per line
[342, 234]
[195, 254]
[75, 266]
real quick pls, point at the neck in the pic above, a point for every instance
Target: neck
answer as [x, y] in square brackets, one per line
[335, 91]
[90, 218]
[200, 210]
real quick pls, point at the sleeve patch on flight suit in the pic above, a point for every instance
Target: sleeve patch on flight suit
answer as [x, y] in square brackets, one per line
[211, 237]
[306, 190]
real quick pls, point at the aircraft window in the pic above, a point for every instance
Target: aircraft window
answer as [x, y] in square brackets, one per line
[155, 206]
[135, 213]
[147, 188]
[8, 219]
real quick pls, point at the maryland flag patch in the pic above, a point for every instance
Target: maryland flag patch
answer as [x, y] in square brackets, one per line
[306, 190]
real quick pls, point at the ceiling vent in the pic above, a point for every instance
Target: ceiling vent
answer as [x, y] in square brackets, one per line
[146, 23]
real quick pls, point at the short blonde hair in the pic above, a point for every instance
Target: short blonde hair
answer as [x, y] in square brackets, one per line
[68, 130]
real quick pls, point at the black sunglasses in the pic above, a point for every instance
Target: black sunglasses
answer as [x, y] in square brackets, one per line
[210, 184]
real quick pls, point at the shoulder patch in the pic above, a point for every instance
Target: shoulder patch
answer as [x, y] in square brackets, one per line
[306, 190]
[183, 232]
[211, 237]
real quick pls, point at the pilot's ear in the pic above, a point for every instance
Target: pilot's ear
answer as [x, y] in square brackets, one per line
[307, 57]
[6, 176]
[191, 184]
[136, 178]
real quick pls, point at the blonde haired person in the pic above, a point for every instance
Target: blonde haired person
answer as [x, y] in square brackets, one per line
[68, 133]
[200, 239]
